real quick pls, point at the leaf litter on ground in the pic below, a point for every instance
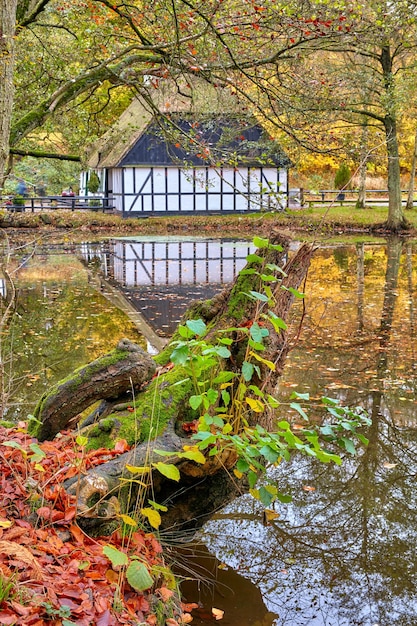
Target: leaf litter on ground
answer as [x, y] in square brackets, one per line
[51, 571]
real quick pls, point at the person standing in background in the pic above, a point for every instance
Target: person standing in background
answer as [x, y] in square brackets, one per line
[21, 188]
[41, 191]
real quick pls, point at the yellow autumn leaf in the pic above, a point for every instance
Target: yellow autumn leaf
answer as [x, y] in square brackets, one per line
[129, 521]
[193, 454]
[5, 523]
[255, 404]
[138, 470]
[270, 515]
[153, 517]
[269, 364]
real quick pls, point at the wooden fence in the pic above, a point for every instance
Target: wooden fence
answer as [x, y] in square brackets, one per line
[48, 203]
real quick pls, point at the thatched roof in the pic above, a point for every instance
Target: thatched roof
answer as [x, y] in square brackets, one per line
[213, 116]
[168, 97]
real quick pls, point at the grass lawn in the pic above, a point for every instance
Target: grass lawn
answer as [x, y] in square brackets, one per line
[346, 215]
[317, 220]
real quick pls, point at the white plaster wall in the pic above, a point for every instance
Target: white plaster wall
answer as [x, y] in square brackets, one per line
[174, 189]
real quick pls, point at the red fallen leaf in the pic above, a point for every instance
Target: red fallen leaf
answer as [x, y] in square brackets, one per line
[190, 427]
[44, 512]
[65, 601]
[138, 603]
[20, 609]
[22, 523]
[165, 593]
[105, 619]
[187, 607]
[78, 534]
[70, 513]
[101, 605]
[203, 614]
[121, 446]
[7, 618]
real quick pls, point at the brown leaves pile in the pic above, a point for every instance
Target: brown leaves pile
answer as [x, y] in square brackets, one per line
[59, 575]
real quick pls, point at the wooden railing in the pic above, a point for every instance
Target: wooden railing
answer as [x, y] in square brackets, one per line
[307, 198]
[48, 203]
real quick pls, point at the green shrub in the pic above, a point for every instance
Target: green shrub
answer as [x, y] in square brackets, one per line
[18, 200]
[342, 177]
[93, 184]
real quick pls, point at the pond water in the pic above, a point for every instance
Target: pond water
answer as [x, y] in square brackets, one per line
[343, 551]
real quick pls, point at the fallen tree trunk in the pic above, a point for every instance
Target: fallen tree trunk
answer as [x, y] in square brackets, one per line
[158, 417]
[126, 367]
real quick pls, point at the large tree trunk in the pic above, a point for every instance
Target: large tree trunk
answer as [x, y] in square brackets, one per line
[410, 196]
[396, 220]
[8, 10]
[361, 202]
[159, 416]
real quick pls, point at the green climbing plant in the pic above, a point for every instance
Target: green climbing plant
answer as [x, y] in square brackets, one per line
[223, 399]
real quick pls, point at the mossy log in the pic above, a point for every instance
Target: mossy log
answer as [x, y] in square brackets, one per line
[154, 418]
[126, 367]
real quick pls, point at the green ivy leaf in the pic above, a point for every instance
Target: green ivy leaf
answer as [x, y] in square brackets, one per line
[198, 327]
[224, 377]
[180, 353]
[115, 556]
[195, 401]
[242, 466]
[157, 506]
[258, 296]
[168, 470]
[299, 409]
[260, 242]
[349, 445]
[252, 478]
[276, 321]
[247, 370]
[254, 258]
[284, 498]
[138, 576]
[212, 395]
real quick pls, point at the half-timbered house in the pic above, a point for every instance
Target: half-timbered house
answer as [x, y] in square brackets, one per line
[189, 158]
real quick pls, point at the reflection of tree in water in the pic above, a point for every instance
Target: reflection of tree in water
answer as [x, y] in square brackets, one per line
[57, 328]
[344, 553]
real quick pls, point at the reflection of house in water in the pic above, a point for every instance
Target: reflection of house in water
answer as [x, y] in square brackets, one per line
[161, 278]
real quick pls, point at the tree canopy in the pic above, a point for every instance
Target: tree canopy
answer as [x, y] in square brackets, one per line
[313, 70]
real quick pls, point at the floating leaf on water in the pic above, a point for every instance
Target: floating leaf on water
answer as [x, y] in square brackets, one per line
[270, 514]
[217, 613]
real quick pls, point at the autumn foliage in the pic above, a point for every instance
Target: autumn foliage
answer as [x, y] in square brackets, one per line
[51, 572]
